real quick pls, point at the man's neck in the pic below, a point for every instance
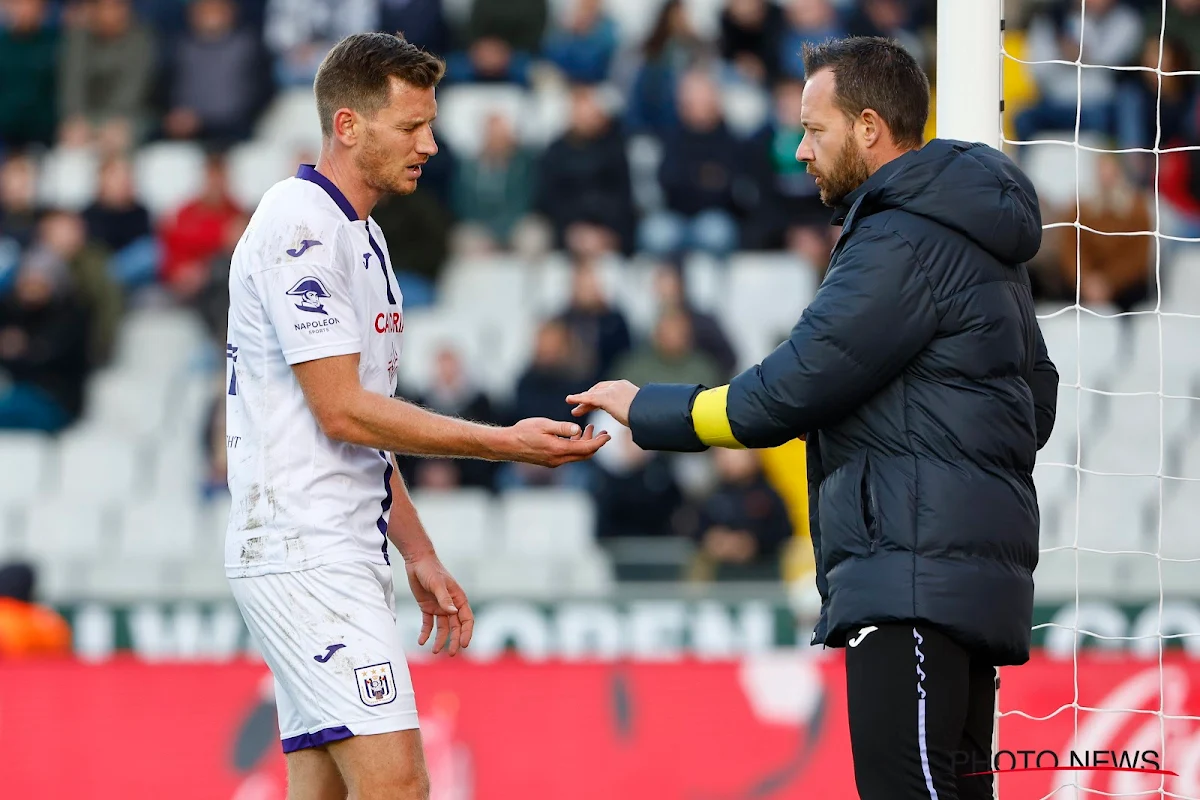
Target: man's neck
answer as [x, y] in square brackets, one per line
[346, 178]
[887, 156]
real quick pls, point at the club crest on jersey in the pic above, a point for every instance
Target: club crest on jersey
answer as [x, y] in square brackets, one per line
[376, 685]
[311, 292]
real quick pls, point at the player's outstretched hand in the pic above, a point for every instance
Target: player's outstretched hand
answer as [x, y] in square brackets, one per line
[548, 443]
[442, 599]
[615, 397]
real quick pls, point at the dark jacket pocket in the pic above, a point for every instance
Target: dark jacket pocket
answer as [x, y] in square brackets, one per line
[869, 505]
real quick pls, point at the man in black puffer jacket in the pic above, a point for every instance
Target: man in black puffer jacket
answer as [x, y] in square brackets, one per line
[921, 381]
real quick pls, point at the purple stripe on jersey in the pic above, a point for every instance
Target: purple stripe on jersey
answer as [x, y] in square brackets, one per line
[382, 265]
[308, 172]
[323, 736]
[386, 506]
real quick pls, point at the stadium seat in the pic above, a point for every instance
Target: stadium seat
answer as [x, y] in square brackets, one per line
[587, 574]
[637, 299]
[463, 110]
[151, 527]
[635, 18]
[25, 460]
[706, 281]
[645, 154]
[75, 530]
[292, 121]
[68, 178]
[770, 290]
[1180, 272]
[126, 402]
[168, 174]
[160, 340]
[705, 16]
[425, 332]
[1052, 168]
[97, 465]
[547, 522]
[746, 108]
[256, 166]
[461, 523]
[1128, 441]
[1062, 575]
[202, 579]
[549, 115]
[505, 350]
[1115, 511]
[511, 575]
[489, 288]
[1181, 511]
[123, 579]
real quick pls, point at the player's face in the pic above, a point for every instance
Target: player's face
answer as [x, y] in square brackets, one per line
[398, 140]
[830, 148]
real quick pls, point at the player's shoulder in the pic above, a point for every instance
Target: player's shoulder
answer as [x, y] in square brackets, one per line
[295, 220]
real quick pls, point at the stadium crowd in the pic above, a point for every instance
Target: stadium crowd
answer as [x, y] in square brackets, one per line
[110, 76]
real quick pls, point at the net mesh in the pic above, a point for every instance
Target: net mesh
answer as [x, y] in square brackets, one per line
[1119, 483]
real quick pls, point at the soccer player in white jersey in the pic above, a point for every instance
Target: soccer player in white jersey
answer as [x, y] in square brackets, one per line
[315, 327]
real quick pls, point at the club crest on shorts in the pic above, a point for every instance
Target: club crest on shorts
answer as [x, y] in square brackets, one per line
[376, 685]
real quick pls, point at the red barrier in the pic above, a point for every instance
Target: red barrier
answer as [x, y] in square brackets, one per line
[688, 730]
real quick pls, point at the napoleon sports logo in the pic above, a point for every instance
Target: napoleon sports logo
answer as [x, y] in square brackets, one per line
[311, 292]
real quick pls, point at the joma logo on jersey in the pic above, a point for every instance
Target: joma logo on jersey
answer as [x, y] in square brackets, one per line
[389, 323]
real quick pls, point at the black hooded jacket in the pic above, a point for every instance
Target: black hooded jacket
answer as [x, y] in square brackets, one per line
[922, 382]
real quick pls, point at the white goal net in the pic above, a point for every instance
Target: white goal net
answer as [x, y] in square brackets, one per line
[1099, 109]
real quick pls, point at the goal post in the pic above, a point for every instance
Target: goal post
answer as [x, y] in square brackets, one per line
[969, 69]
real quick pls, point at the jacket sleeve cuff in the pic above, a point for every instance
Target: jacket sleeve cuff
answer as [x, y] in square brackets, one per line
[660, 418]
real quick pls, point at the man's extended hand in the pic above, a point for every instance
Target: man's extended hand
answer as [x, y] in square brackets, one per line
[440, 597]
[551, 444]
[615, 397]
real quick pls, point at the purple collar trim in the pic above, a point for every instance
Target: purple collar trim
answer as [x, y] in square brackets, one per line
[308, 172]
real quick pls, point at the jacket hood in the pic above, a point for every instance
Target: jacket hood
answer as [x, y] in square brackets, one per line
[971, 188]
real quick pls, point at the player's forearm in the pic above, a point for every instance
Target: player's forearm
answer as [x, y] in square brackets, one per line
[404, 526]
[396, 426]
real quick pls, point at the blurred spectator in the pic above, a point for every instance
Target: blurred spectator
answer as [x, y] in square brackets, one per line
[300, 32]
[219, 76]
[635, 491]
[598, 328]
[701, 166]
[583, 46]
[62, 243]
[1112, 37]
[1156, 108]
[750, 31]
[28, 73]
[494, 191]
[18, 199]
[215, 447]
[43, 347]
[421, 21]
[28, 629]
[1111, 269]
[118, 221]
[1183, 22]
[670, 357]
[672, 48]
[212, 299]
[107, 74]
[707, 334]
[584, 185]
[453, 393]
[790, 213]
[806, 21]
[541, 391]
[195, 233]
[891, 19]
[503, 36]
[742, 526]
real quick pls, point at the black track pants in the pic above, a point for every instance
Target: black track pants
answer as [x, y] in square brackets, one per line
[922, 714]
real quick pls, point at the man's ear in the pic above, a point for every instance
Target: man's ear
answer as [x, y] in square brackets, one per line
[345, 126]
[871, 127]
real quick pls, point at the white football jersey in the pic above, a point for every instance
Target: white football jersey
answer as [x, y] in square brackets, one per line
[309, 280]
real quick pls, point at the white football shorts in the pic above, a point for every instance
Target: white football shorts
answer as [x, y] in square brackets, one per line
[329, 636]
